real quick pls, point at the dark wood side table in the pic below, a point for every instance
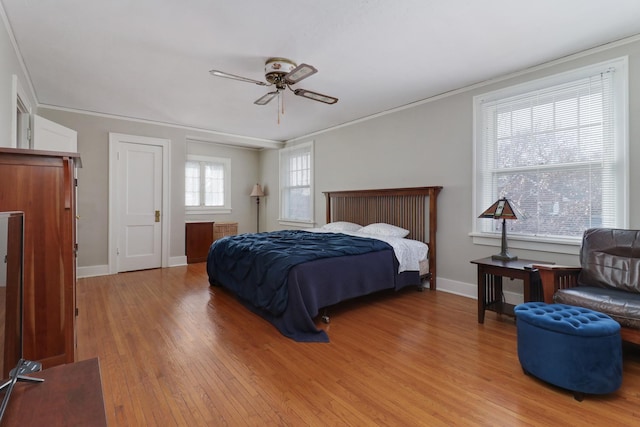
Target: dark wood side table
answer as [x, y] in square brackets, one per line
[198, 239]
[71, 395]
[490, 274]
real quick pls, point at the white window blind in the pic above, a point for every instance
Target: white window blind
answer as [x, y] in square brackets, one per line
[556, 149]
[296, 183]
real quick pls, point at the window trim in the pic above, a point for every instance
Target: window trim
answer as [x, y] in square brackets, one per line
[282, 220]
[569, 245]
[203, 210]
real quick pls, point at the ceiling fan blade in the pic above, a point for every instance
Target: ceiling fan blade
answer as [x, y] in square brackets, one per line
[316, 96]
[266, 98]
[234, 77]
[300, 72]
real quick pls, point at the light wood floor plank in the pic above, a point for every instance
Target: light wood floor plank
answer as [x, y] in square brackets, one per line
[174, 351]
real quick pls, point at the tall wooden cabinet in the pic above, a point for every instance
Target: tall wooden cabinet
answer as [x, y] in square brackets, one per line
[42, 185]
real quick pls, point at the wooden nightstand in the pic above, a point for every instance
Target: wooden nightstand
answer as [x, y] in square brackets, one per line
[198, 238]
[490, 274]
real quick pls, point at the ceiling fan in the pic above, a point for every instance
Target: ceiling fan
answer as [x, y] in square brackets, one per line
[281, 73]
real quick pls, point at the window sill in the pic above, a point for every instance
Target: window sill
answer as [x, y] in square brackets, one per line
[293, 223]
[206, 211]
[570, 246]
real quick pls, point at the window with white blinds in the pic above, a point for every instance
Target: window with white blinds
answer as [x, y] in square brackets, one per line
[207, 184]
[296, 183]
[557, 148]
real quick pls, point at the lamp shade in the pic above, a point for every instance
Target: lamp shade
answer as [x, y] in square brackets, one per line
[502, 209]
[257, 191]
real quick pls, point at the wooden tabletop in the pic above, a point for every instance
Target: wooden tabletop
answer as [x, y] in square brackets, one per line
[518, 264]
[71, 395]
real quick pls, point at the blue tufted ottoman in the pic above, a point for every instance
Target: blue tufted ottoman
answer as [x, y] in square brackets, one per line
[571, 347]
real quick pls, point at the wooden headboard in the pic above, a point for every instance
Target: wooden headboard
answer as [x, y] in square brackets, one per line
[404, 207]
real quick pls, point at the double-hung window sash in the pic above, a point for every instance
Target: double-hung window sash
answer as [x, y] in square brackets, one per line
[557, 152]
[296, 179]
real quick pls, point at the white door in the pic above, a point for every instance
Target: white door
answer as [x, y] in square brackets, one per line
[139, 175]
[51, 136]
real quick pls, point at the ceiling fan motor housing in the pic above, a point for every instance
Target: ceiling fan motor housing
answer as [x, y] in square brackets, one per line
[276, 68]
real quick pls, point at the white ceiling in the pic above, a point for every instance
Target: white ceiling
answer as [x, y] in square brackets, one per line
[150, 59]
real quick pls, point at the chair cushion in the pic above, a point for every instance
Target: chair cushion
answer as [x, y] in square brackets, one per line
[622, 306]
[610, 258]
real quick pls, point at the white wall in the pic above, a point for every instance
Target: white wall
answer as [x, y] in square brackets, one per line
[93, 189]
[9, 66]
[431, 144]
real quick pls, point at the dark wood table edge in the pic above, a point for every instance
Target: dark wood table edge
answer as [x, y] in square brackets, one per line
[71, 394]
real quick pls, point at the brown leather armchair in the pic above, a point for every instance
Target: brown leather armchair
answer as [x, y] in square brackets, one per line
[608, 280]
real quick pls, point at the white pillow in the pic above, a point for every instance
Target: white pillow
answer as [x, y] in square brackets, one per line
[382, 229]
[339, 226]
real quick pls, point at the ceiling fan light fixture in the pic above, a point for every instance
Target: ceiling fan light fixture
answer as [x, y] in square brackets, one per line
[266, 98]
[275, 69]
[281, 73]
[300, 72]
[316, 96]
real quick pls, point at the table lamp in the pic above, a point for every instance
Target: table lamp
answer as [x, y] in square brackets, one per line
[502, 209]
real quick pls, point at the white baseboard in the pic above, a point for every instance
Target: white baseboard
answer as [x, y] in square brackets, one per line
[177, 261]
[103, 270]
[470, 290]
[92, 271]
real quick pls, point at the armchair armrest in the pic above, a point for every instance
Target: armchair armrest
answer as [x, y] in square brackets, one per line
[554, 277]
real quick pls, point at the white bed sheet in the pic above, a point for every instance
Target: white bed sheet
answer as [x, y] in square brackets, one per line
[408, 252]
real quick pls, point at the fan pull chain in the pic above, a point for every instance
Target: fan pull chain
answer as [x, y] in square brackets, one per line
[279, 101]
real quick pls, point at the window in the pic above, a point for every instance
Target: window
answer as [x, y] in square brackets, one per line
[296, 183]
[207, 184]
[557, 147]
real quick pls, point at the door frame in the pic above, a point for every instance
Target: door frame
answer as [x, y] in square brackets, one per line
[115, 139]
[20, 115]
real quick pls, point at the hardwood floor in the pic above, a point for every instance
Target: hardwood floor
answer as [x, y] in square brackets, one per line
[174, 351]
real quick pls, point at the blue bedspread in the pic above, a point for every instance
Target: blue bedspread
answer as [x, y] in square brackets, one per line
[256, 266]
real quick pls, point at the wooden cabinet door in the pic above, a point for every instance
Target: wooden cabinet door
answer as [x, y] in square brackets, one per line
[42, 186]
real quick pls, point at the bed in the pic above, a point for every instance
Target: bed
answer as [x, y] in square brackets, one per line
[289, 290]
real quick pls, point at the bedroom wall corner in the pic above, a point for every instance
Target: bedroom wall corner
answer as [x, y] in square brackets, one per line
[93, 186]
[270, 181]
